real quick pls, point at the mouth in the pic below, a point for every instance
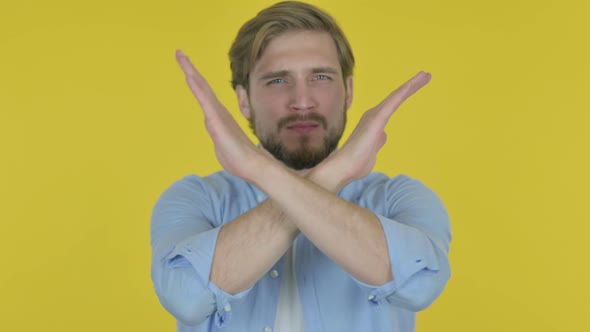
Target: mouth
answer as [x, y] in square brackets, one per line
[303, 127]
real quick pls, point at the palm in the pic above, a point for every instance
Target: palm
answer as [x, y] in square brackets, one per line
[232, 147]
[360, 150]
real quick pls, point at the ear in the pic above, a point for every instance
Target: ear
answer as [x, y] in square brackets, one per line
[243, 101]
[349, 91]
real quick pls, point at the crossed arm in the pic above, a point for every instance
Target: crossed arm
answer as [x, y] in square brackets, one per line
[350, 235]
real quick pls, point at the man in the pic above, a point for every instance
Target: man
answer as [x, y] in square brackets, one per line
[296, 235]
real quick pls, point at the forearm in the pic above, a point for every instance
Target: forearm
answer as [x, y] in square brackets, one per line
[248, 246]
[350, 235]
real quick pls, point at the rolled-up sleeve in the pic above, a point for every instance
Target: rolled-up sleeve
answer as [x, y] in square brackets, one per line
[417, 230]
[183, 238]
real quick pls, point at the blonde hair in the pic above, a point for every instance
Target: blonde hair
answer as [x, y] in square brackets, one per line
[282, 17]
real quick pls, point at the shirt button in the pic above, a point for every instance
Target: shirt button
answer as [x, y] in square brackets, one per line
[227, 308]
[267, 329]
[371, 297]
[259, 199]
[274, 274]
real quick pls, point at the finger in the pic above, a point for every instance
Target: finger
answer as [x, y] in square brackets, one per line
[197, 83]
[397, 97]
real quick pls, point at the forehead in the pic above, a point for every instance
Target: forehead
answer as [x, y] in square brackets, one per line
[296, 51]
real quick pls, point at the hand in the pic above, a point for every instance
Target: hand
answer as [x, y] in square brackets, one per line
[234, 150]
[357, 156]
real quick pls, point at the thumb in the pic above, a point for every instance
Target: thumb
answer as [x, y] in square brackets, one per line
[381, 141]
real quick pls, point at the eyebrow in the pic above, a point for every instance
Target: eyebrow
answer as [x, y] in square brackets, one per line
[273, 74]
[328, 70]
[283, 73]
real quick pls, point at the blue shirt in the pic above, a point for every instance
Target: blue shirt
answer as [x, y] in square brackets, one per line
[186, 221]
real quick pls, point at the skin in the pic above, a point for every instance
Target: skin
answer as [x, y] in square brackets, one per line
[350, 235]
[297, 83]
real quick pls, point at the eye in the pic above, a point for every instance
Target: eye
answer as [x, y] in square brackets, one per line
[276, 81]
[321, 77]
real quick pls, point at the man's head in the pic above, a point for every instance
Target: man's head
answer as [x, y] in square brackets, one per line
[292, 71]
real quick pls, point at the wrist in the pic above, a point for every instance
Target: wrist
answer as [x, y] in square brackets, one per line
[330, 175]
[266, 171]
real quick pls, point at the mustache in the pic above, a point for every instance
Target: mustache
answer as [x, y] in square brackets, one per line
[303, 117]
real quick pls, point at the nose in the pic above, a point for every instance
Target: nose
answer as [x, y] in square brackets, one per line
[302, 99]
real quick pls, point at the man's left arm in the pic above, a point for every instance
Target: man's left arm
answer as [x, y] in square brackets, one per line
[400, 257]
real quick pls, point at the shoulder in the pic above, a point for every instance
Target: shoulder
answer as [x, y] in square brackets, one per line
[219, 197]
[379, 191]
[214, 185]
[381, 184]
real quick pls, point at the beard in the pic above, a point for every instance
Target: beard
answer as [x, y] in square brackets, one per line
[302, 157]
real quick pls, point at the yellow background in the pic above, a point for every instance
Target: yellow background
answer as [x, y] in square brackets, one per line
[96, 121]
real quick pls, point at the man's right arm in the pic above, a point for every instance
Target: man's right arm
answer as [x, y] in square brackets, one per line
[249, 246]
[197, 268]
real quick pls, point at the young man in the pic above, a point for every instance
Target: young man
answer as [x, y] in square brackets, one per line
[296, 235]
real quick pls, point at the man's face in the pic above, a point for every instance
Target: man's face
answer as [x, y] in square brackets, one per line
[298, 100]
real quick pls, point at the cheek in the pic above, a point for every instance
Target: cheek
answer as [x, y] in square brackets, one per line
[264, 118]
[268, 109]
[334, 99]
[331, 88]
[266, 100]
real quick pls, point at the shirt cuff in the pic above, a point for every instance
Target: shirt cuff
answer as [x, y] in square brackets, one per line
[224, 301]
[410, 251]
[198, 251]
